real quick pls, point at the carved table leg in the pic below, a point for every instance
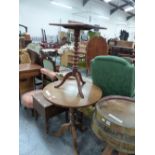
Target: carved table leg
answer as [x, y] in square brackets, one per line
[72, 126]
[46, 125]
[79, 85]
[62, 129]
[79, 74]
[73, 131]
[64, 79]
[121, 153]
[107, 150]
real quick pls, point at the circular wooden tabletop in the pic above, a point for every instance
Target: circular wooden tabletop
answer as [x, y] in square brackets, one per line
[118, 110]
[68, 96]
[81, 26]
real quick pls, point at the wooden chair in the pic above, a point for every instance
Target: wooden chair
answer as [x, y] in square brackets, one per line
[49, 64]
[95, 47]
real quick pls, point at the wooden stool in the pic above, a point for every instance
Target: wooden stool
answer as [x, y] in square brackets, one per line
[44, 108]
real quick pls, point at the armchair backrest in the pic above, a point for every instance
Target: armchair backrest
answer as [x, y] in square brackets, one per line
[50, 65]
[114, 75]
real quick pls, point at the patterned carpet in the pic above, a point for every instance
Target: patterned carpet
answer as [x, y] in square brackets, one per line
[34, 141]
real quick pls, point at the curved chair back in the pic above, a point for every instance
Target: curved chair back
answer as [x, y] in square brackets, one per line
[114, 75]
[50, 65]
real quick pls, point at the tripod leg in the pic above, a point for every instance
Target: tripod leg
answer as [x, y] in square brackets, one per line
[83, 82]
[107, 151]
[64, 79]
[79, 86]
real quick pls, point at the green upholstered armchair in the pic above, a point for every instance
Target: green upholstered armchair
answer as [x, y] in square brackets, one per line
[114, 75]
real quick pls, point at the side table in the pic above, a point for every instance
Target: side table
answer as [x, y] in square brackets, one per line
[68, 96]
[45, 108]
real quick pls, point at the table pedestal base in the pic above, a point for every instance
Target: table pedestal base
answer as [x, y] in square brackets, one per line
[108, 151]
[78, 78]
[72, 126]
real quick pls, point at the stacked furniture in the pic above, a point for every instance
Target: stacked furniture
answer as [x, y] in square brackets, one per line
[123, 47]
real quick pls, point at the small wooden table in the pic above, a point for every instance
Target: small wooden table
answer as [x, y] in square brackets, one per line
[67, 96]
[27, 71]
[45, 108]
[76, 27]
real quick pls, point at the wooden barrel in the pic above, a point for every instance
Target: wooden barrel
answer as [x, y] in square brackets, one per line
[114, 122]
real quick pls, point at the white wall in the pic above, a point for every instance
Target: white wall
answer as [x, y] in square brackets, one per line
[36, 14]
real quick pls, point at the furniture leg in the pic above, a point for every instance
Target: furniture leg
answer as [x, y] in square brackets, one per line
[74, 138]
[78, 77]
[19, 99]
[32, 111]
[107, 151]
[62, 130]
[79, 86]
[34, 85]
[64, 79]
[79, 74]
[121, 153]
[36, 115]
[66, 116]
[73, 131]
[46, 125]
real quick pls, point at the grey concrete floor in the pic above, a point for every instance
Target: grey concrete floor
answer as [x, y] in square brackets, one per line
[33, 139]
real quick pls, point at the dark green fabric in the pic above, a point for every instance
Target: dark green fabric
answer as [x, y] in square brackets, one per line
[48, 65]
[114, 75]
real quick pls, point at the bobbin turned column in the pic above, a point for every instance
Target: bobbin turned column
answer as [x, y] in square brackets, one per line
[76, 27]
[75, 71]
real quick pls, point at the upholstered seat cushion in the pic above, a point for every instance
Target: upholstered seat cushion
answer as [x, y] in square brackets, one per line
[27, 98]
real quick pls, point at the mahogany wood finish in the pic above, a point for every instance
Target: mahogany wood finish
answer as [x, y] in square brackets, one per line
[116, 50]
[27, 72]
[45, 108]
[95, 47]
[67, 96]
[107, 151]
[76, 27]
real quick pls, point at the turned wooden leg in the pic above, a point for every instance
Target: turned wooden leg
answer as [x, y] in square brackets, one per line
[79, 85]
[64, 79]
[79, 74]
[121, 153]
[73, 131]
[74, 138]
[66, 116]
[32, 111]
[36, 115]
[107, 151]
[46, 125]
[62, 130]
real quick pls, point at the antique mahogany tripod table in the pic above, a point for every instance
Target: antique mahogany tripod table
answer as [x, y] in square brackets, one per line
[67, 96]
[76, 27]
